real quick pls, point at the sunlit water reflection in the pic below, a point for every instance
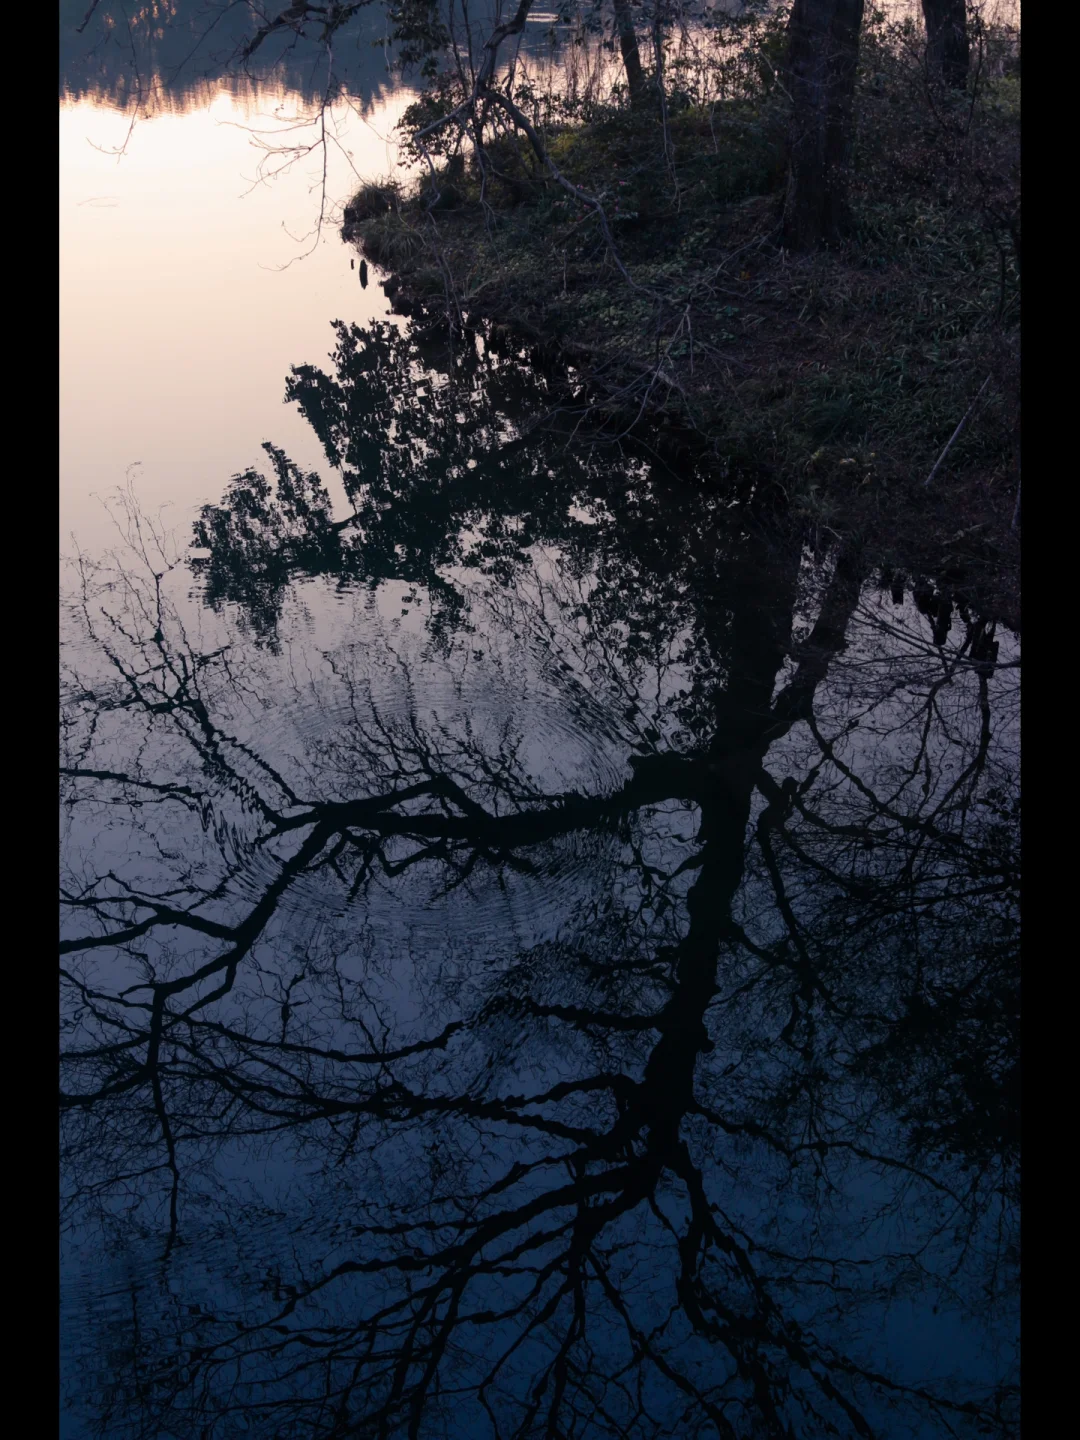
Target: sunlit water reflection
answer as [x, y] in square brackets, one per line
[183, 299]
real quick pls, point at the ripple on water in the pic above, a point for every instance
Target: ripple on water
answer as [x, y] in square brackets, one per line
[388, 708]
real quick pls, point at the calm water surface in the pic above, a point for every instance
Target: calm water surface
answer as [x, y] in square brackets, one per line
[539, 937]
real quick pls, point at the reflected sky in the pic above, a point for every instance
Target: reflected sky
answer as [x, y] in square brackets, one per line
[182, 300]
[551, 927]
[538, 932]
[453, 961]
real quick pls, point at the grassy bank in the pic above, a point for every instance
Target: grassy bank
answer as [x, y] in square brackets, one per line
[836, 378]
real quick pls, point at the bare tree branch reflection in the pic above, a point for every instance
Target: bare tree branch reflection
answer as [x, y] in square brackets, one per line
[659, 1157]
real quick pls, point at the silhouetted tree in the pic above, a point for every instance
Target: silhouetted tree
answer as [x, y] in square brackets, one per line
[656, 1166]
[822, 56]
[631, 55]
[947, 40]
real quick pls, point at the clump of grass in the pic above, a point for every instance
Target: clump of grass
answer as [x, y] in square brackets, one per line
[391, 241]
[376, 197]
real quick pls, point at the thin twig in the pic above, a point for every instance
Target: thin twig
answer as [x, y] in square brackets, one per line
[955, 435]
[87, 17]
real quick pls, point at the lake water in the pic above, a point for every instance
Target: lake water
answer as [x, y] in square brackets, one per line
[539, 934]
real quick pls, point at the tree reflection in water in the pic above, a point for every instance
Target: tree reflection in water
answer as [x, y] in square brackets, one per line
[539, 955]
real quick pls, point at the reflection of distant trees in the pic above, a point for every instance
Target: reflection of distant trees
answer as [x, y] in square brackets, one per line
[661, 1169]
[173, 56]
[159, 56]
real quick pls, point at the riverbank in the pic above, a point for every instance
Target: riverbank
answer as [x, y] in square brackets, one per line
[837, 380]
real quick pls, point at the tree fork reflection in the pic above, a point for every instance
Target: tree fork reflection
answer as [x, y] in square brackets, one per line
[659, 1165]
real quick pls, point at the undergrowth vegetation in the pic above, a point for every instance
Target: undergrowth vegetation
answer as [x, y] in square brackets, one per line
[836, 377]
